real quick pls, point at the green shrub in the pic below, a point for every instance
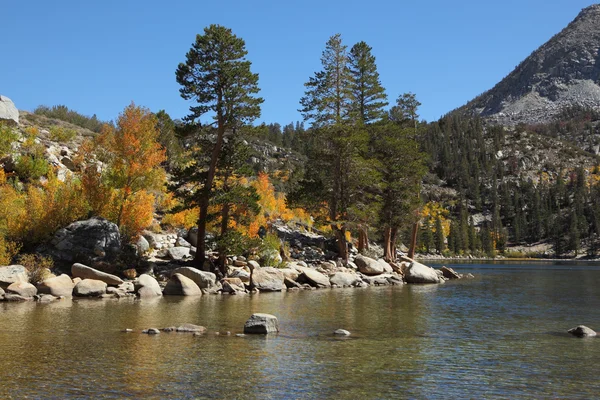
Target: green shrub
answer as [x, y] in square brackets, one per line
[64, 114]
[37, 266]
[31, 167]
[7, 137]
[61, 134]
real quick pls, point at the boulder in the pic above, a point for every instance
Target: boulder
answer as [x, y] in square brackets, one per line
[241, 274]
[419, 273]
[290, 284]
[13, 273]
[449, 273]
[151, 331]
[16, 297]
[147, 286]
[290, 273]
[368, 266]
[253, 264]
[204, 279]
[181, 242]
[582, 331]
[178, 253]
[190, 328]
[344, 279]
[90, 241]
[341, 332]
[8, 112]
[180, 285]
[314, 278]
[24, 289]
[142, 245]
[261, 324]
[57, 286]
[268, 279]
[89, 288]
[85, 272]
[387, 268]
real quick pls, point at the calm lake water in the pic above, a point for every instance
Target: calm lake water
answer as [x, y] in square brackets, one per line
[501, 335]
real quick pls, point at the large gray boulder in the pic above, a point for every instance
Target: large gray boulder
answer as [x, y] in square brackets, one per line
[419, 273]
[89, 288]
[261, 324]
[313, 278]
[178, 253]
[181, 285]
[11, 274]
[368, 266]
[90, 241]
[204, 279]
[24, 289]
[57, 286]
[147, 286]
[344, 279]
[268, 279]
[582, 331]
[8, 112]
[85, 272]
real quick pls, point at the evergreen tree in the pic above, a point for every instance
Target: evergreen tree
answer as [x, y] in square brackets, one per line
[367, 96]
[217, 76]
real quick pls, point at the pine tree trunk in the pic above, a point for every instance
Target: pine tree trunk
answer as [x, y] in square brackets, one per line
[363, 238]
[205, 197]
[413, 240]
[387, 244]
[393, 239]
[342, 244]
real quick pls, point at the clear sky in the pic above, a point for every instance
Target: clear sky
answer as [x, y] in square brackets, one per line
[98, 56]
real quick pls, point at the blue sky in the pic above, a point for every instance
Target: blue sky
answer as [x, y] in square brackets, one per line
[98, 56]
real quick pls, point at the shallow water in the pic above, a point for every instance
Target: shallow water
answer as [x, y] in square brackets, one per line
[501, 335]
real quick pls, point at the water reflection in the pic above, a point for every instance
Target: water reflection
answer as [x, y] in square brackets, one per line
[492, 337]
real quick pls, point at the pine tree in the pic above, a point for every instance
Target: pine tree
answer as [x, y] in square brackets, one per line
[367, 96]
[216, 74]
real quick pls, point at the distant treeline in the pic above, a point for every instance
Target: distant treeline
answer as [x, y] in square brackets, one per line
[65, 114]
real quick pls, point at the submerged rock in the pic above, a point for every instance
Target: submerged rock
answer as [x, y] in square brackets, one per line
[151, 331]
[260, 323]
[449, 273]
[341, 332]
[582, 331]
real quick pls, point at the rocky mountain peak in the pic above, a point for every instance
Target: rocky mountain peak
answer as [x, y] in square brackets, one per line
[563, 72]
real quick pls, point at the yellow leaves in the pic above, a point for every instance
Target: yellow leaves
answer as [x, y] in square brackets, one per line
[434, 210]
[185, 219]
[137, 213]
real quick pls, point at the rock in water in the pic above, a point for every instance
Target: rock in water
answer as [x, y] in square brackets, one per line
[147, 286]
[12, 274]
[89, 288]
[204, 279]
[368, 266]
[57, 286]
[85, 272]
[180, 285]
[8, 112]
[342, 279]
[582, 331]
[419, 273]
[450, 273]
[341, 332]
[190, 328]
[261, 324]
[268, 279]
[24, 289]
[313, 278]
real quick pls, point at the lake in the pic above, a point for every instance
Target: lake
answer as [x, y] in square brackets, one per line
[500, 335]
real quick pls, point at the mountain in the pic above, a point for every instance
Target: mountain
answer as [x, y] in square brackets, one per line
[564, 72]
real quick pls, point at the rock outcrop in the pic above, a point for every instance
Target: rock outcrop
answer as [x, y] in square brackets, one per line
[563, 72]
[8, 112]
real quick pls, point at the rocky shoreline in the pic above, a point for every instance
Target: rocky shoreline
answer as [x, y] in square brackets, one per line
[244, 277]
